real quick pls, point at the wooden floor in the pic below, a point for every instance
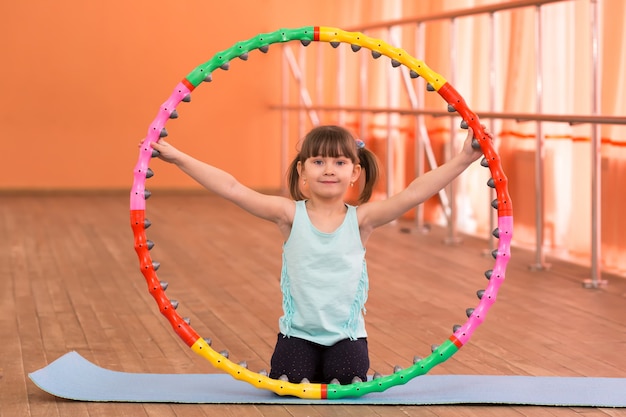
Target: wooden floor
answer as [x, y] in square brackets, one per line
[71, 281]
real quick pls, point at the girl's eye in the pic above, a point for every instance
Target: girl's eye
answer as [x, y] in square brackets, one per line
[318, 162]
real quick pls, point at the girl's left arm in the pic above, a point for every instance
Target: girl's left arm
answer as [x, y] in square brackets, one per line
[378, 213]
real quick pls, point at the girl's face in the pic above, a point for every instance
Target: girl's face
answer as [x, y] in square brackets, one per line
[327, 176]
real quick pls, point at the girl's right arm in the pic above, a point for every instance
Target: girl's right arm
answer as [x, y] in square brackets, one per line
[276, 209]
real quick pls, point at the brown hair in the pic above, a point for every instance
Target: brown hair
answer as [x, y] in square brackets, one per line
[333, 141]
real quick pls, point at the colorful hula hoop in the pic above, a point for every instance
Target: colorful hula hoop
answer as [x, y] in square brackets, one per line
[139, 223]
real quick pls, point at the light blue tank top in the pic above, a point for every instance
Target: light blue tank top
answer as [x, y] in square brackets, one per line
[324, 281]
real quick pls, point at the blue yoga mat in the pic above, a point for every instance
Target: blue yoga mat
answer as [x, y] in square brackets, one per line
[75, 378]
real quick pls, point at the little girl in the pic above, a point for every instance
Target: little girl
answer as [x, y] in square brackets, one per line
[324, 277]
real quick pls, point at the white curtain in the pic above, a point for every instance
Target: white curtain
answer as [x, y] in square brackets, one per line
[566, 89]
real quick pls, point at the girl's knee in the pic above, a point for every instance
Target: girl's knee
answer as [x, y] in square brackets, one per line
[346, 361]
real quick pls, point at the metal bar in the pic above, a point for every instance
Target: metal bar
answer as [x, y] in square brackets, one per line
[284, 120]
[471, 11]
[389, 147]
[301, 87]
[540, 263]
[492, 106]
[453, 237]
[422, 142]
[363, 93]
[341, 87]
[596, 161]
[519, 117]
[319, 76]
[420, 134]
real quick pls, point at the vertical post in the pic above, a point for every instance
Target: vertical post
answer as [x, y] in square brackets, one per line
[452, 238]
[492, 109]
[341, 86]
[389, 147]
[319, 79]
[420, 41]
[301, 87]
[284, 120]
[596, 280]
[424, 156]
[539, 149]
[363, 94]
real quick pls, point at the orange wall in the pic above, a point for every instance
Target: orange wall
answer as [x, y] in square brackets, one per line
[82, 80]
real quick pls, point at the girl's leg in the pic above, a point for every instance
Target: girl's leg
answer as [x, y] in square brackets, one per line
[345, 360]
[296, 358]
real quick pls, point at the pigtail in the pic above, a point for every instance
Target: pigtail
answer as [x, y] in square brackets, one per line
[369, 163]
[293, 180]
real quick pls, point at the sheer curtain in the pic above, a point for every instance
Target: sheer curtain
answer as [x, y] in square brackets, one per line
[614, 137]
[566, 89]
